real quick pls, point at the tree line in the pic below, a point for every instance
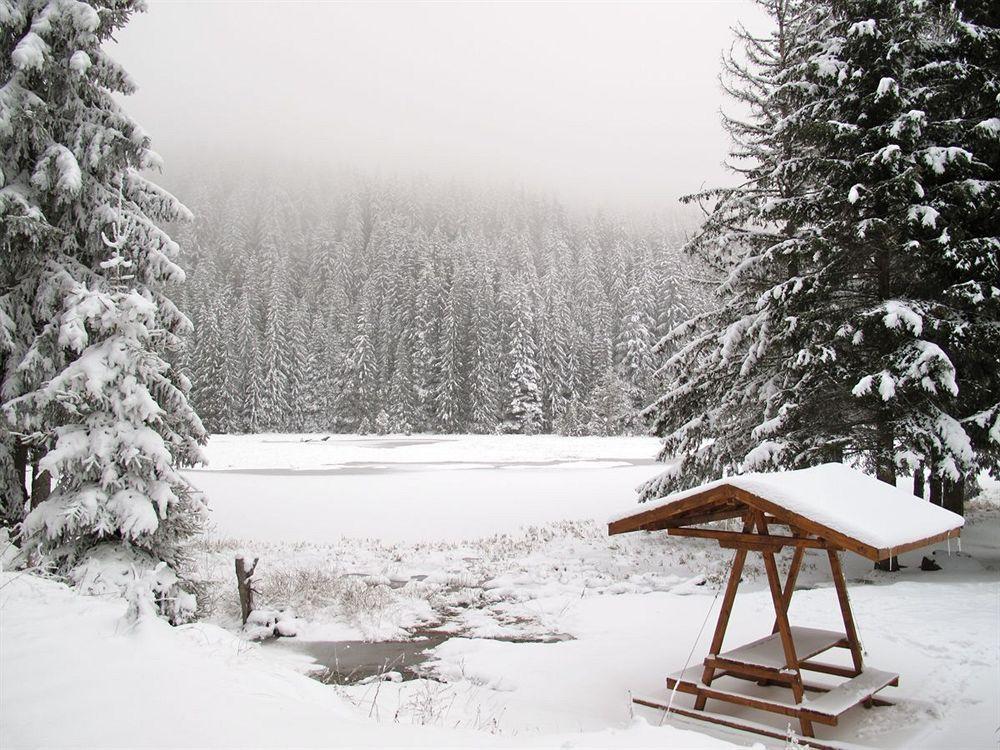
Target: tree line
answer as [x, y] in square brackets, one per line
[354, 305]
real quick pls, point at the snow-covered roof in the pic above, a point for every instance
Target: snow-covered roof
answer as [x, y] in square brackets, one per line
[839, 503]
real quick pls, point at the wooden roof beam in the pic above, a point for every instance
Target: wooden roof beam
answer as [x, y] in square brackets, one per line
[737, 539]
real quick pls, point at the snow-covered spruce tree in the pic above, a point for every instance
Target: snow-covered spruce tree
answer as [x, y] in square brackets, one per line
[402, 397]
[879, 276]
[834, 339]
[484, 379]
[960, 98]
[447, 399]
[635, 348]
[359, 383]
[524, 411]
[558, 369]
[726, 379]
[86, 322]
[210, 391]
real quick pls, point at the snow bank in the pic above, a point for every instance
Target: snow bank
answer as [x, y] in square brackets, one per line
[71, 658]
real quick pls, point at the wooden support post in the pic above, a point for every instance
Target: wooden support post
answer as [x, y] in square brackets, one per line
[728, 599]
[793, 574]
[784, 629]
[845, 609]
[244, 577]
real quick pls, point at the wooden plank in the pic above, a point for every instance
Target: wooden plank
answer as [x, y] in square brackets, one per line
[793, 574]
[725, 610]
[785, 631]
[685, 683]
[723, 622]
[707, 499]
[834, 669]
[741, 725]
[809, 687]
[736, 539]
[768, 651]
[845, 610]
[837, 701]
[888, 552]
[748, 671]
[723, 513]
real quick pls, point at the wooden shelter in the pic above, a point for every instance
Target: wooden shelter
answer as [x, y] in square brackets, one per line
[831, 508]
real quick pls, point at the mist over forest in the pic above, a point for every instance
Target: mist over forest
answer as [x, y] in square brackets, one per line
[335, 301]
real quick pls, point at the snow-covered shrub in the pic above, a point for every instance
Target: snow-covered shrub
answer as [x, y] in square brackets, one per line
[148, 584]
[10, 553]
[269, 623]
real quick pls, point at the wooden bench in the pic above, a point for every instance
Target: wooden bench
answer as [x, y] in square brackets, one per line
[767, 654]
[826, 708]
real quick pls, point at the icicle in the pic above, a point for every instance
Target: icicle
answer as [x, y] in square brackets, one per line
[949, 545]
[959, 540]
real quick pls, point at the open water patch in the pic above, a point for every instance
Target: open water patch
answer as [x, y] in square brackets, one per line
[353, 662]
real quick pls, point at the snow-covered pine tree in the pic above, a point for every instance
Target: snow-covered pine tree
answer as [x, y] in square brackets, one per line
[359, 389]
[316, 385]
[959, 93]
[211, 392]
[426, 328]
[834, 339]
[296, 355]
[610, 409]
[247, 370]
[402, 397]
[635, 348]
[887, 327]
[524, 411]
[484, 377]
[557, 361]
[85, 319]
[274, 412]
[447, 399]
[728, 376]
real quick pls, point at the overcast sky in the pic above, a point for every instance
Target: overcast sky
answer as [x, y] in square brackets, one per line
[608, 103]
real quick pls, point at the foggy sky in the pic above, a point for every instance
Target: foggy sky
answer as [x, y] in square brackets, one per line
[616, 104]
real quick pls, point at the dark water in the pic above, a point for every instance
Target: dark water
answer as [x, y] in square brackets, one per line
[349, 662]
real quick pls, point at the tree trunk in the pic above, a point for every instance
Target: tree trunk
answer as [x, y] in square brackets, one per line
[954, 496]
[918, 482]
[937, 489]
[41, 486]
[21, 470]
[243, 584]
[885, 471]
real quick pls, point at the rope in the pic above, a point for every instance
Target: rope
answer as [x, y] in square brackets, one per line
[673, 693]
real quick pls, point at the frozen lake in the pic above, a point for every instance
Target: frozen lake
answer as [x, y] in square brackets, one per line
[307, 488]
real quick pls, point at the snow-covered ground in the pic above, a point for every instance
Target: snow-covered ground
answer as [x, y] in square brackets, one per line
[494, 549]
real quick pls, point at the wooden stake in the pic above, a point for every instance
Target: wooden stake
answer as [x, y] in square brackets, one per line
[243, 585]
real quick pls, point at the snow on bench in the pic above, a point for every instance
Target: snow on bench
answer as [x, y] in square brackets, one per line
[769, 653]
[850, 693]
